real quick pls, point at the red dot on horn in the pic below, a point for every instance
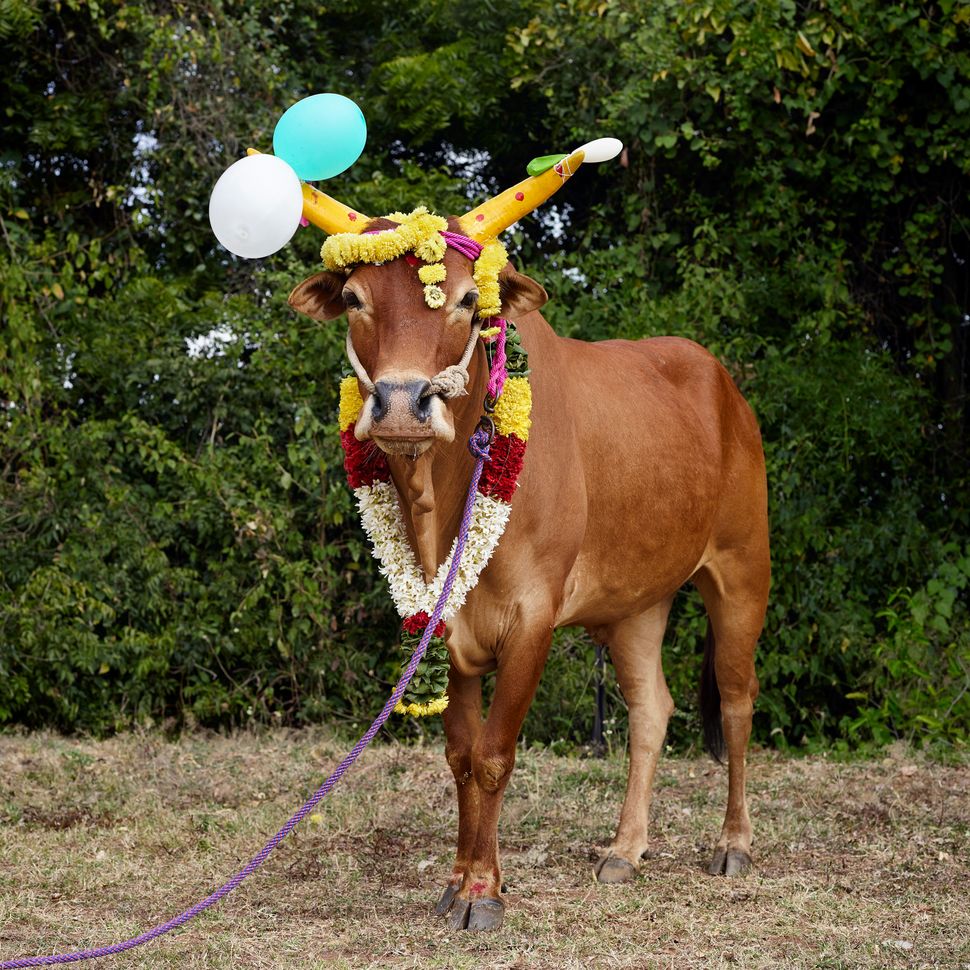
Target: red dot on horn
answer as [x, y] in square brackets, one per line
[519, 196]
[352, 216]
[479, 218]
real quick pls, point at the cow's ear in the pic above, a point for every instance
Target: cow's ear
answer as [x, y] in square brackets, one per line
[519, 293]
[320, 296]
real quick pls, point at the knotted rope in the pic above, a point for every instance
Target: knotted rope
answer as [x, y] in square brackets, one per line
[478, 445]
[450, 382]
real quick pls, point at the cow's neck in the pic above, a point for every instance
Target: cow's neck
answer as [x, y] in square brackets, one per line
[432, 488]
[415, 486]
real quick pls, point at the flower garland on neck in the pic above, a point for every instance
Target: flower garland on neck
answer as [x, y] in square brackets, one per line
[423, 237]
[370, 478]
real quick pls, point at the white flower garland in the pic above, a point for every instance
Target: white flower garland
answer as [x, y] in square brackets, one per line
[383, 522]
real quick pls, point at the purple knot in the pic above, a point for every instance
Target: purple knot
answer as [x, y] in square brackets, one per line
[479, 443]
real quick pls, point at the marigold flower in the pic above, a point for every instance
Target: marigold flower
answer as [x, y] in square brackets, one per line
[487, 267]
[513, 408]
[351, 403]
[432, 273]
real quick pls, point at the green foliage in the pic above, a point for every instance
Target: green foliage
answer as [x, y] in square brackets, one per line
[919, 684]
[179, 543]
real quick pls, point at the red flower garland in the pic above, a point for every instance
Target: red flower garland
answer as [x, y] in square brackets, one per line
[501, 471]
[364, 462]
[418, 622]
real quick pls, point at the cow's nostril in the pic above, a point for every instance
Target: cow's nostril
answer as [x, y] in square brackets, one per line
[382, 400]
[421, 405]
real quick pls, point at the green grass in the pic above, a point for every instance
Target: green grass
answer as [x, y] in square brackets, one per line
[857, 864]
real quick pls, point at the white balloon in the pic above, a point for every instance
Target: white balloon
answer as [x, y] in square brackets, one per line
[256, 205]
[601, 149]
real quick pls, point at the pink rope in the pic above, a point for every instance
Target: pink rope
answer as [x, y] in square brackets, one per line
[468, 247]
[498, 373]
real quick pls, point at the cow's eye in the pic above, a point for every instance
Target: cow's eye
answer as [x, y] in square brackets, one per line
[469, 300]
[351, 300]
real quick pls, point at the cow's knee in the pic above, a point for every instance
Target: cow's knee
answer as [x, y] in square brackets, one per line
[491, 771]
[459, 758]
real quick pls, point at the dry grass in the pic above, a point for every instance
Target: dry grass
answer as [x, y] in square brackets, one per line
[857, 865]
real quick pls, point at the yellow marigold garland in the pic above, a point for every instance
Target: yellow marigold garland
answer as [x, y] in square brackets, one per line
[487, 268]
[513, 407]
[419, 232]
[422, 710]
[351, 403]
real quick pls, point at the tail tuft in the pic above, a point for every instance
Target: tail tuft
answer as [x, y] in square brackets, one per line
[710, 702]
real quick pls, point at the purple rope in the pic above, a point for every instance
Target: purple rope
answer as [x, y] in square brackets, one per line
[478, 444]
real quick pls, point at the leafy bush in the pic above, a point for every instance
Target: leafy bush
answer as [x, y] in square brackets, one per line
[178, 540]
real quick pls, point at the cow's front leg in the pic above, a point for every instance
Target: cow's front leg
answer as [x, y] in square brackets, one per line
[463, 723]
[477, 904]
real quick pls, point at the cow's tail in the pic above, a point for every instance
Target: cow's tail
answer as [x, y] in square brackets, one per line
[710, 701]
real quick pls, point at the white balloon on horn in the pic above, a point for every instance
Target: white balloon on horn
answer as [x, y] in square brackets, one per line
[601, 149]
[256, 205]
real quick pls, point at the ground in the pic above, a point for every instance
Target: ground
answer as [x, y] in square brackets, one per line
[858, 864]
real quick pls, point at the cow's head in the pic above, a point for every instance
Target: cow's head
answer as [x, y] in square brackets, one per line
[416, 291]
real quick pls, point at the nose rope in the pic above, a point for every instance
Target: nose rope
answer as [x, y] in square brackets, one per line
[450, 382]
[358, 366]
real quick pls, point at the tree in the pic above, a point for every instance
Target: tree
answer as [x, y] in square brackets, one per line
[178, 540]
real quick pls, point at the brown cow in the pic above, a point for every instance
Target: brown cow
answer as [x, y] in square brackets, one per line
[644, 470]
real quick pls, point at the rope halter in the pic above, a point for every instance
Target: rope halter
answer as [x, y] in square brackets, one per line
[421, 233]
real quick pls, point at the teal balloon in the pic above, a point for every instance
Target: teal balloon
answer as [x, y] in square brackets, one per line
[320, 136]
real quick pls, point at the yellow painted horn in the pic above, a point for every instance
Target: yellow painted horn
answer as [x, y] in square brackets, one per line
[327, 213]
[496, 215]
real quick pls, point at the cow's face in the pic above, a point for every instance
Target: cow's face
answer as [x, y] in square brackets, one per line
[402, 343]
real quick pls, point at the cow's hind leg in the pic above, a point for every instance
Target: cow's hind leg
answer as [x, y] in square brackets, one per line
[735, 590]
[634, 645]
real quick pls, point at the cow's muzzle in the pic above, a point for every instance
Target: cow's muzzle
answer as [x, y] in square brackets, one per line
[403, 401]
[404, 417]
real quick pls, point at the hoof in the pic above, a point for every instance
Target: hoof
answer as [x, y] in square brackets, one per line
[464, 914]
[486, 914]
[729, 862]
[458, 915]
[613, 869]
[447, 898]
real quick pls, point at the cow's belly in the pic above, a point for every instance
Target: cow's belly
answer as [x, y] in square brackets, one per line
[598, 593]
